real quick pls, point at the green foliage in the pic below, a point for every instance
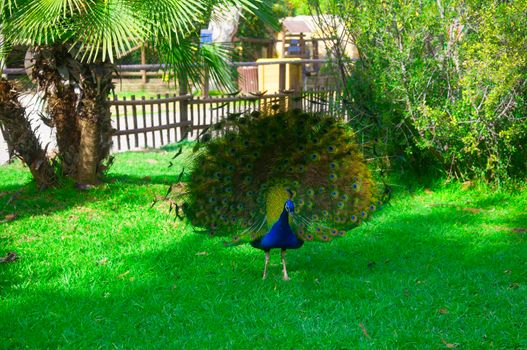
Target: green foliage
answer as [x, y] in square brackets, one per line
[105, 30]
[101, 269]
[448, 79]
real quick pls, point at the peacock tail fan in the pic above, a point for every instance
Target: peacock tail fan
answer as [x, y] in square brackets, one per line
[239, 182]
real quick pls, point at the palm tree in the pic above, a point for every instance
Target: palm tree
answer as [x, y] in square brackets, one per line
[75, 44]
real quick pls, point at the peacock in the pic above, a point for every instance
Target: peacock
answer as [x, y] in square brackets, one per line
[278, 180]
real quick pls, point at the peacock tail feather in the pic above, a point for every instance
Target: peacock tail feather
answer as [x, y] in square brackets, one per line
[240, 181]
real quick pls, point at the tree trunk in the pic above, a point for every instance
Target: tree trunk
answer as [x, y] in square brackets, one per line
[56, 73]
[21, 138]
[94, 120]
[77, 96]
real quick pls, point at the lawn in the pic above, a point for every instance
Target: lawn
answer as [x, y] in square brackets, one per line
[439, 267]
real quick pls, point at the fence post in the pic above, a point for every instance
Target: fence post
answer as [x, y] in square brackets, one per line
[183, 109]
[270, 49]
[281, 85]
[143, 61]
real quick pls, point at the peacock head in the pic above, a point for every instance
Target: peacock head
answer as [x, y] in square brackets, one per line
[289, 207]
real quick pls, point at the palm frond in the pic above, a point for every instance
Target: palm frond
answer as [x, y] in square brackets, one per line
[109, 29]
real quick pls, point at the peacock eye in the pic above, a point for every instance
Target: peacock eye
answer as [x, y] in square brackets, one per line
[372, 207]
[331, 149]
[333, 177]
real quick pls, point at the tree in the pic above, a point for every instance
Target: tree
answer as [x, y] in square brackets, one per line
[445, 79]
[75, 43]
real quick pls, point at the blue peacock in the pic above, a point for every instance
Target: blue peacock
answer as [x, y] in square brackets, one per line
[278, 180]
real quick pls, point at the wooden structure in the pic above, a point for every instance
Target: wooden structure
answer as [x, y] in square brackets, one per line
[150, 123]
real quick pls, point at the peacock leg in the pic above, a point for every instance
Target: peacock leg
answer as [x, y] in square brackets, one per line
[286, 277]
[267, 257]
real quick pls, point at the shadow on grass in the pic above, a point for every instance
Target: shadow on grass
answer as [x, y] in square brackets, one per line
[189, 289]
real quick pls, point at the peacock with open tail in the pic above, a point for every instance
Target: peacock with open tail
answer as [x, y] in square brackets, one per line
[278, 180]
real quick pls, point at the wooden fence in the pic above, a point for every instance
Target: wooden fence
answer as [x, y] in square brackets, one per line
[157, 121]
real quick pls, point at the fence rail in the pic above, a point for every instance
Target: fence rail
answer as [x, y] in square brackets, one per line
[150, 123]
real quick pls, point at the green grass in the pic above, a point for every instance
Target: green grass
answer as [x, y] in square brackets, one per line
[101, 269]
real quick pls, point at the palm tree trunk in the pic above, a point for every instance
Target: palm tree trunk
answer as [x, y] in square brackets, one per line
[21, 138]
[94, 120]
[59, 91]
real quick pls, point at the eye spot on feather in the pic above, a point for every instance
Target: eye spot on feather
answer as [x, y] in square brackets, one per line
[309, 237]
[334, 194]
[379, 203]
[314, 157]
[342, 233]
[364, 214]
[230, 167]
[325, 213]
[321, 190]
[372, 207]
[355, 186]
[325, 238]
[228, 190]
[249, 166]
[217, 175]
[331, 149]
[315, 218]
[300, 202]
[334, 232]
[225, 201]
[340, 205]
[310, 192]
[233, 220]
[353, 218]
[300, 169]
[235, 239]
[344, 197]
[212, 200]
[333, 165]
[333, 177]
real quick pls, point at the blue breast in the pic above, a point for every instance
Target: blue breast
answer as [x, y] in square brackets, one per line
[280, 236]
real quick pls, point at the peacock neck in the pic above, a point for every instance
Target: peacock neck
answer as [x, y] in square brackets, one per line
[284, 218]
